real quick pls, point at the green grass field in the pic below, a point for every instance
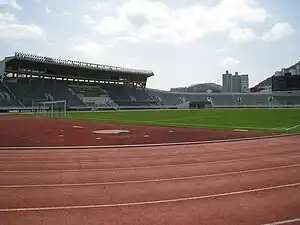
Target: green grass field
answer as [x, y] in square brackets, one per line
[263, 120]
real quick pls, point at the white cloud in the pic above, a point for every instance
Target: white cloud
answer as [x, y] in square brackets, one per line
[113, 31]
[66, 13]
[278, 31]
[141, 24]
[229, 62]
[48, 10]
[14, 4]
[109, 26]
[12, 29]
[155, 21]
[99, 6]
[89, 48]
[88, 20]
[222, 50]
[10, 3]
[129, 39]
[142, 21]
[241, 35]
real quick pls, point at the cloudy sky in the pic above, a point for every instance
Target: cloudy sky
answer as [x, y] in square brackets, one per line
[183, 41]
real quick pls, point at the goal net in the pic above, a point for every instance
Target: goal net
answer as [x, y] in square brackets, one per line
[50, 109]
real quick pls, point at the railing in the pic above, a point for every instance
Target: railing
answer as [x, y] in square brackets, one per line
[112, 104]
[72, 91]
[12, 94]
[258, 106]
[151, 97]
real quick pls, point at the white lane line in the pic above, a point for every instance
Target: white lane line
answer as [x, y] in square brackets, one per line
[170, 155]
[152, 202]
[148, 167]
[166, 122]
[151, 180]
[13, 149]
[292, 128]
[122, 158]
[240, 130]
[166, 149]
[284, 222]
[79, 127]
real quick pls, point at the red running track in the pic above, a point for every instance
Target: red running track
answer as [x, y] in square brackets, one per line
[247, 182]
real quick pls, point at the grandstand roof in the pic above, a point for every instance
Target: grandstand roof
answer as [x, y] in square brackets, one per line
[36, 62]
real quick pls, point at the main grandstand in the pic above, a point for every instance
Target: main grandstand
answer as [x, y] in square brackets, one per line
[27, 78]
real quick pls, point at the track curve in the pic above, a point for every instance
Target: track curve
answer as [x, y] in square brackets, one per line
[244, 182]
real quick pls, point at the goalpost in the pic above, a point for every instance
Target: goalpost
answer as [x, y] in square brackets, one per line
[50, 109]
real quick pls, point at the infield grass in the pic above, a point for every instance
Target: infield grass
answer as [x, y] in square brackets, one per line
[262, 120]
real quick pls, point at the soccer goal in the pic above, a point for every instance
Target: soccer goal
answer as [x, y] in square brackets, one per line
[50, 109]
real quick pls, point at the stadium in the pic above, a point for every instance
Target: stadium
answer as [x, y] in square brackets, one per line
[27, 79]
[85, 143]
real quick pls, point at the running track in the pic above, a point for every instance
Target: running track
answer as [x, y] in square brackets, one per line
[246, 182]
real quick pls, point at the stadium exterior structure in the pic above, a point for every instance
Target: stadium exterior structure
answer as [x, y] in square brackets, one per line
[27, 78]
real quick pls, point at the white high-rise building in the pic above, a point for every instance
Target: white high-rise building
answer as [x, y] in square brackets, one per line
[244, 83]
[227, 82]
[235, 83]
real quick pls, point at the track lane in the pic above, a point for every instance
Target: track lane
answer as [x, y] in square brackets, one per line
[151, 180]
[73, 177]
[155, 152]
[99, 158]
[145, 191]
[23, 166]
[250, 208]
[147, 152]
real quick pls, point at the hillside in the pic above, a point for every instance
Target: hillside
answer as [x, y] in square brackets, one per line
[206, 87]
[262, 85]
[268, 82]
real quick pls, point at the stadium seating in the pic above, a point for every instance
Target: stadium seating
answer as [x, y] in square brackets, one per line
[117, 93]
[90, 95]
[176, 98]
[125, 95]
[24, 91]
[6, 98]
[43, 90]
[252, 99]
[222, 100]
[79, 95]
[168, 98]
[108, 94]
[288, 100]
[88, 90]
[59, 91]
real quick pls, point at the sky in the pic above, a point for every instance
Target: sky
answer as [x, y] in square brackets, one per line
[182, 42]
